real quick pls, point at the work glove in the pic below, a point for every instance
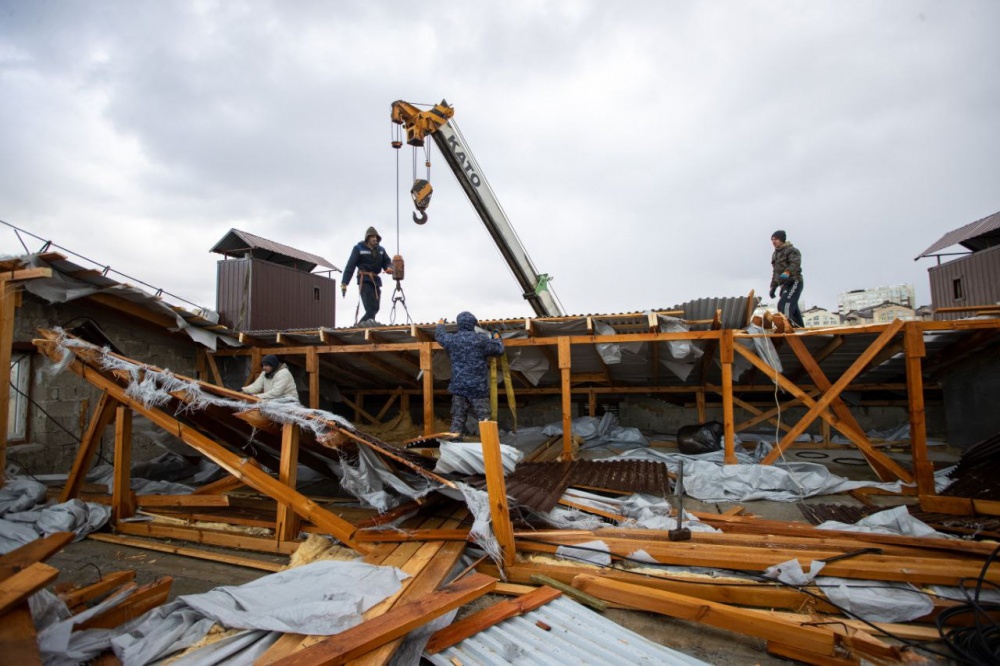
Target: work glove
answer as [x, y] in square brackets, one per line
[343, 290]
[784, 276]
[773, 291]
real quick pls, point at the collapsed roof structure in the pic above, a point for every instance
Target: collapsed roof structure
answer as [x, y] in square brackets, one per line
[706, 358]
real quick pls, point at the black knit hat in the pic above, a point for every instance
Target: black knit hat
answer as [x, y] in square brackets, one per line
[271, 360]
[780, 235]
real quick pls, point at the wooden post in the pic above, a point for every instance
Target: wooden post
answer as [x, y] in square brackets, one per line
[427, 372]
[699, 400]
[923, 469]
[99, 422]
[8, 305]
[287, 527]
[728, 423]
[122, 503]
[312, 367]
[565, 369]
[496, 486]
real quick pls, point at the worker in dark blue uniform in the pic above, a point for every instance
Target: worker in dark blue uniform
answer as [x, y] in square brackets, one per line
[468, 350]
[370, 259]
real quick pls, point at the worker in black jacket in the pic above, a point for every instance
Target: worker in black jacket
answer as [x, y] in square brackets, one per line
[370, 259]
[786, 276]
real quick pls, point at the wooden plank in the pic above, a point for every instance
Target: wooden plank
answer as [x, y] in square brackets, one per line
[35, 551]
[103, 413]
[182, 500]
[807, 657]
[8, 309]
[367, 636]
[813, 639]
[565, 383]
[234, 560]
[726, 357]
[569, 590]
[207, 536]
[939, 571]
[732, 591]
[396, 536]
[18, 641]
[24, 583]
[486, 618]
[287, 524]
[90, 592]
[143, 599]
[496, 488]
[122, 498]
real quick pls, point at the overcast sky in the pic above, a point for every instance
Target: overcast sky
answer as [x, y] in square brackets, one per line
[643, 151]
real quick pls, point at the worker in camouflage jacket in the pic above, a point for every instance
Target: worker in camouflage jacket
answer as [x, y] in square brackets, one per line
[468, 350]
[786, 276]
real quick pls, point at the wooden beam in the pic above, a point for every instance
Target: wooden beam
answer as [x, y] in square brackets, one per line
[122, 498]
[35, 551]
[371, 634]
[923, 468]
[496, 487]
[287, 526]
[8, 309]
[138, 602]
[565, 372]
[18, 640]
[108, 582]
[235, 560]
[713, 614]
[18, 587]
[486, 618]
[103, 413]
[427, 370]
[726, 357]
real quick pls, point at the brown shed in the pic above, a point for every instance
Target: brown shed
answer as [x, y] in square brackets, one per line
[974, 278]
[263, 285]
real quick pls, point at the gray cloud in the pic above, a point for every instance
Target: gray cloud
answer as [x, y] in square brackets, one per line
[644, 151]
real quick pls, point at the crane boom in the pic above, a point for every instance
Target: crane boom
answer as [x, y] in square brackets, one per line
[438, 123]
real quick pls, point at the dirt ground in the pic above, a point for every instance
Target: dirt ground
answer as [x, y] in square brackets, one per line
[84, 561]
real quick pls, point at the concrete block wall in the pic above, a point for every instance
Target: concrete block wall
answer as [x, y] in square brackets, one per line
[65, 402]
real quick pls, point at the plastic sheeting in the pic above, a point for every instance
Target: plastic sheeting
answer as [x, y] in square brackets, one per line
[321, 598]
[467, 458]
[600, 432]
[26, 517]
[709, 479]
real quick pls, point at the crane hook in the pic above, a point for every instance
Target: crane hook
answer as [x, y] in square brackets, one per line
[421, 193]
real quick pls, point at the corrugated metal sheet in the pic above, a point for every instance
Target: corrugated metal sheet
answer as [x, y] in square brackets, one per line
[963, 235]
[540, 485]
[977, 274]
[578, 635]
[241, 243]
[255, 294]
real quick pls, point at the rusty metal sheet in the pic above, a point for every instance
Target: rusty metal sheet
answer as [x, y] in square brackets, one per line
[540, 485]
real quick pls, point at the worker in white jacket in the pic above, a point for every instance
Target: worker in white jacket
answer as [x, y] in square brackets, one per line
[274, 383]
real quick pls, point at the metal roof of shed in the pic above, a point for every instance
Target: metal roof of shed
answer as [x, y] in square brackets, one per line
[242, 243]
[978, 235]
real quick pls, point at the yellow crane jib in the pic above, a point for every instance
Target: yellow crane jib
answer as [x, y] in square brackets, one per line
[419, 124]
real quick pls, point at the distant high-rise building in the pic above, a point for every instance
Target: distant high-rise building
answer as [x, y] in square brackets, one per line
[859, 299]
